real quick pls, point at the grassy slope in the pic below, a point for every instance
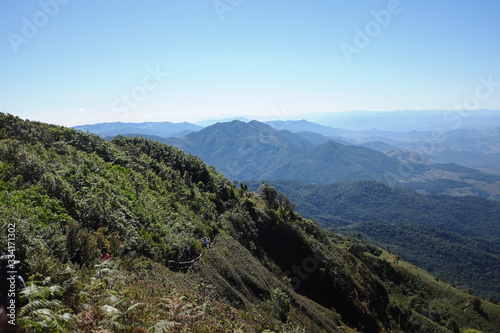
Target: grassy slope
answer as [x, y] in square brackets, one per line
[435, 299]
[418, 300]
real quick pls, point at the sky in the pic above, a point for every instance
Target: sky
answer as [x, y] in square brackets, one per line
[73, 62]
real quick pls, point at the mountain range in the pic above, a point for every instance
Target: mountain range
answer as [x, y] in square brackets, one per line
[473, 141]
[162, 129]
[256, 151]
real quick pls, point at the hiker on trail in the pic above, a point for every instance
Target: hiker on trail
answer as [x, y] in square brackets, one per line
[77, 258]
[105, 254]
[185, 254]
[11, 284]
[206, 242]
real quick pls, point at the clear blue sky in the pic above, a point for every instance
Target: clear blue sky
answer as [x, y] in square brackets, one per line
[76, 62]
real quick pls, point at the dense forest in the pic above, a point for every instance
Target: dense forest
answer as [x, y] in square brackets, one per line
[150, 205]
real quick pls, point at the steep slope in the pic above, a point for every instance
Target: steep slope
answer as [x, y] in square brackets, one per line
[435, 306]
[67, 190]
[434, 232]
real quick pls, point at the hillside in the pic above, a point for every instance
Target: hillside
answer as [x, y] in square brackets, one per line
[151, 205]
[434, 232]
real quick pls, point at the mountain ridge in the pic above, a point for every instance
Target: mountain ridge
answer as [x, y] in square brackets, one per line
[474, 148]
[259, 152]
[162, 129]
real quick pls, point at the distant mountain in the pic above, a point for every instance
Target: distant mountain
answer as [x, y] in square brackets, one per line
[209, 122]
[257, 151]
[475, 148]
[296, 126]
[478, 160]
[162, 129]
[379, 146]
[308, 129]
[408, 120]
[315, 137]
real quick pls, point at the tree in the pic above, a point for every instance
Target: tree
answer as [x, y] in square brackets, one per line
[286, 207]
[269, 194]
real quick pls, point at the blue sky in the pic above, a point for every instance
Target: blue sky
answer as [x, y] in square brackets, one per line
[74, 62]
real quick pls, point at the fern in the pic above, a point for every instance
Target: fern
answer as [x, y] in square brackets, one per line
[116, 318]
[44, 312]
[34, 291]
[164, 326]
[45, 315]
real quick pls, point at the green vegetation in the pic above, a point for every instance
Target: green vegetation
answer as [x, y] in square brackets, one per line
[456, 238]
[269, 270]
[469, 263]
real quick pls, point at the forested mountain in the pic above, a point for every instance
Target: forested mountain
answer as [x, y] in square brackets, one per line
[471, 147]
[259, 152]
[150, 204]
[457, 238]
